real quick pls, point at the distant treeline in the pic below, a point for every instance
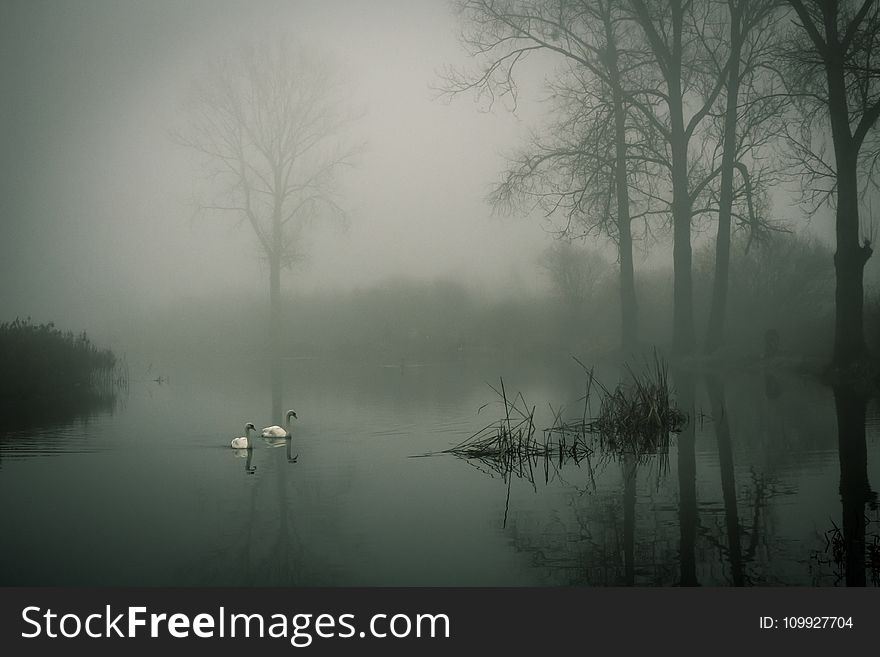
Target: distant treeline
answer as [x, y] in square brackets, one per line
[783, 286]
[40, 359]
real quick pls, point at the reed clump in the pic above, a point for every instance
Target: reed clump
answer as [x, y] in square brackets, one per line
[635, 418]
[638, 416]
[40, 360]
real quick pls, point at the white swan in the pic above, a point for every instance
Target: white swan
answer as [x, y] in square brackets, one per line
[278, 432]
[243, 442]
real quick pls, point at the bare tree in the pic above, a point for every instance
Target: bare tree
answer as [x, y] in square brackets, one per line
[691, 71]
[267, 125]
[835, 64]
[584, 165]
[748, 122]
[574, 271]
[635, 109]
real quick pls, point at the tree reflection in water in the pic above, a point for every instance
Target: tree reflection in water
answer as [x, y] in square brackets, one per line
[724, 517]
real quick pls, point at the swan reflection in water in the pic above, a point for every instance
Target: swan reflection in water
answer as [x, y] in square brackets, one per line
[277, 436]
[246, 453]
[282, 441]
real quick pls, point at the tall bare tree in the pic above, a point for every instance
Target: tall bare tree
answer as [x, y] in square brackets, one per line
[268, 125]
[836, 74]
[584, 165]
[689, 82]
[639, 125]
[747, 124]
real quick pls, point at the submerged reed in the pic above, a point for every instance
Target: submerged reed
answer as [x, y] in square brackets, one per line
[510, 445]
[634, 419]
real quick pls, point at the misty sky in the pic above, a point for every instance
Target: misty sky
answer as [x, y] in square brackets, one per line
[97, 199]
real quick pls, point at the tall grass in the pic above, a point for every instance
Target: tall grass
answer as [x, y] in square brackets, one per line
[637, 417]
[40, 360]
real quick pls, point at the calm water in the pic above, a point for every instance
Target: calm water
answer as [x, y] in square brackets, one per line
[147, 492]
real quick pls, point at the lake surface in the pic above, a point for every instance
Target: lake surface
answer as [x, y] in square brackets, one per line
[146, 491]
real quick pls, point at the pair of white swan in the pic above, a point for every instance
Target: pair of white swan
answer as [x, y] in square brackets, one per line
[244, 442]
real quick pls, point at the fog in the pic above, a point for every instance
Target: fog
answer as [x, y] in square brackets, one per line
[97, 215]
[702, 366]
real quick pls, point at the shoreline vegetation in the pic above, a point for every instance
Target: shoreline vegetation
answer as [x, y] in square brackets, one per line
[781, 315]
[53, 375]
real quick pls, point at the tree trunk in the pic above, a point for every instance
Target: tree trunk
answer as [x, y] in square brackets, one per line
[850, 257]
[630, 474]
[855, 491]
[688, 515]
[718, 310]
[683, 338]
[849, 265]
[276, 251]
[275, 320]
[682, 288]
[728, 480]
[628, 305]
[669, 59]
